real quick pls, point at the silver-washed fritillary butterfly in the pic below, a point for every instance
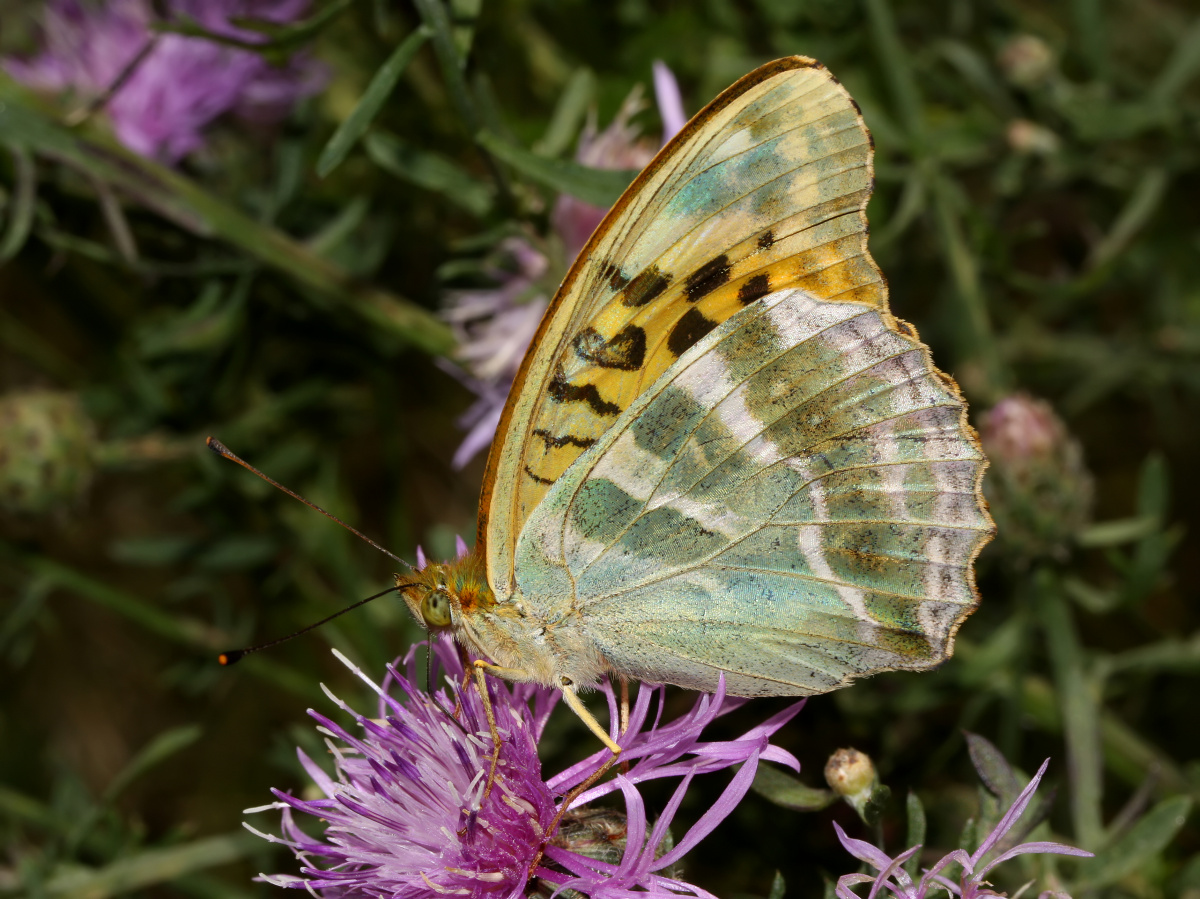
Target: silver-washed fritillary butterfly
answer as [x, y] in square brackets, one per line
[723, 453]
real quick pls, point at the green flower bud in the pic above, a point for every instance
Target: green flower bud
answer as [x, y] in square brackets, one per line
[46, 444]
[851, 774]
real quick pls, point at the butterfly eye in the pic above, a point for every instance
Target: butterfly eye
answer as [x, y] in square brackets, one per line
[435, 609]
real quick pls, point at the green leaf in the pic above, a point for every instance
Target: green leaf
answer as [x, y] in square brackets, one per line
[20, 203]
[788, 792]
[150, 866]
[372, 100]
[161, 747]
[24, 122]
[1154, 492]
[916, 831]
[600, 187]
[1139, 845]
[1117, 531]
[777, 887]
[568, 113]
[993, 768]
[429, 170]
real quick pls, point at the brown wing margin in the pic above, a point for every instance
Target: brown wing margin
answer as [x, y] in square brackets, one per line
[758, 76]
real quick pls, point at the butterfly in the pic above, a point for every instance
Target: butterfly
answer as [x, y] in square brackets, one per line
[723, 455]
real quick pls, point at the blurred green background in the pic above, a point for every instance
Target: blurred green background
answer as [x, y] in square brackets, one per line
[1037, 216]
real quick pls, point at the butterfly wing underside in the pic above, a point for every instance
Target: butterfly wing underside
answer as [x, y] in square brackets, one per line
[763, 190]
[795, 504]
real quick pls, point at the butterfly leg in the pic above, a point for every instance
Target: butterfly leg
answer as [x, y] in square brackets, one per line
[577, 706]
[480, 667]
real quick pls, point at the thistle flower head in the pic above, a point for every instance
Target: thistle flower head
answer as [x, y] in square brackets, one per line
[179, 84]
[406, 813]
[973, 867]
[1038, 486]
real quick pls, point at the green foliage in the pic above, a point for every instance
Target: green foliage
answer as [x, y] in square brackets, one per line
[1035, 216]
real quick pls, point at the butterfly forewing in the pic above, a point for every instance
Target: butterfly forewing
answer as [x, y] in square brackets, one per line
[763, 190]
[795, 503]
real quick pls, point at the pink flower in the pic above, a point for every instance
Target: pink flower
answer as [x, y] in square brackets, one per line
[494, 325]
[183, 84]
[970, 882]
[404, 812]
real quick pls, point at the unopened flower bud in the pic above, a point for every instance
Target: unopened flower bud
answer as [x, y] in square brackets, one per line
[1029, 137]
[1026, 60]
[1038, 487]
[46, 444]
[850, 772]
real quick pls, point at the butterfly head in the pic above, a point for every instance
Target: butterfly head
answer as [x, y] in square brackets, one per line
[441, 594]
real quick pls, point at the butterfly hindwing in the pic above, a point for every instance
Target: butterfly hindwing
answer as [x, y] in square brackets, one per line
[763, 190]
[795, 502]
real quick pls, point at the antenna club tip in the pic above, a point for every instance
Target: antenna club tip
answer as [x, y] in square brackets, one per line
[215, 445]
[231, 657]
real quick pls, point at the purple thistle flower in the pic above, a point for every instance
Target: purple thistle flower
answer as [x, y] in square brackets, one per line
[970, 883]
[405, 812]
[183, 84]
[494, 326]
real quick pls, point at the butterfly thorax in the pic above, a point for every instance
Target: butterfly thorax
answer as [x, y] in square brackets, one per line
[455, 597]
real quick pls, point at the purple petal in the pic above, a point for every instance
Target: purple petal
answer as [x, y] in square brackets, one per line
[862, 850]
[1010, 817]
[1035, 847]
[669, 100]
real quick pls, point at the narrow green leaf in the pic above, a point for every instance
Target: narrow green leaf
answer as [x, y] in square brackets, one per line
[282, 38]
[466, 16]
[372, 100]
[600, 187]
[915, 813]
[151, 866]
[1089, 30]
[429, 170]
[1117, 531]
[568, 113]
[1141, 206]
[785, 790]
[993, 769]
[1078, 696]
[896, 62]
[1180, 68]
[1139, 845]
[777, 887]
[24, 122]
[1154, 494]
[335, 231]
[161, 747]
[21, 203]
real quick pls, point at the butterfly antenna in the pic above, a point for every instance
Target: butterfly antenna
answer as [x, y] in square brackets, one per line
[222, 450]
[233, 656]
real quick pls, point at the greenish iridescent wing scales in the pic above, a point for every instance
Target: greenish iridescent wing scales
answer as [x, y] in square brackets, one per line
[795, 502]
[763, 190]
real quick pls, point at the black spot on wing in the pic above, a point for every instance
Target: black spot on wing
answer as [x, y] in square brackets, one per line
[563, 391]
[707, 278]
[766, 240]
[646, 286]
[689, 329]
[626, 351]
[553, 442]
[905, 328]
[754, 289]
[611, 272]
